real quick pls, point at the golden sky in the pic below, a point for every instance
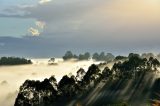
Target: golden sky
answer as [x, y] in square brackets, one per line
[129, 12]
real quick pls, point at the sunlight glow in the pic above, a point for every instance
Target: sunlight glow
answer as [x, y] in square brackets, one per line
[132, 12]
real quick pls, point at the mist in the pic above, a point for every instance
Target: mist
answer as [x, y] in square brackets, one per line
[12, 77]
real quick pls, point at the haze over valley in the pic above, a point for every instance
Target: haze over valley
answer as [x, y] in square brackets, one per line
[80, 52]
[11, 77]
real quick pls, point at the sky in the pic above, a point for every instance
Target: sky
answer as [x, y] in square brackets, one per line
[47, 28]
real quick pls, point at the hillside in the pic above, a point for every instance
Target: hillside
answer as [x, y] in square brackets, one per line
[135, 81]
[136, 92]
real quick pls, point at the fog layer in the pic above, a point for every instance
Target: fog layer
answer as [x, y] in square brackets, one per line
[12, 77]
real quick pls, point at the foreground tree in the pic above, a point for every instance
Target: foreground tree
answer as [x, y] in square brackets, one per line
[35, 93]
[92, 75]
[80, 74]
[106, 73]
[153, 63]
[67, 86]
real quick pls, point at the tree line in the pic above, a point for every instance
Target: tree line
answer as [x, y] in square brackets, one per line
[86, 56]
[14, 61]
[104, 56]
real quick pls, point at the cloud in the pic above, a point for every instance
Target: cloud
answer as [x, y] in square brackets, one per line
[91, 14]
[103, 23]
[39, 28]
[34, 32]
[44, 1]
[96, 16]
[40, 24]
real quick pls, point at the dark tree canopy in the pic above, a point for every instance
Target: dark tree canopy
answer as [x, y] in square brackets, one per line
[103, 57]
[14, 61]
[120, 58]
[91, 74]
[35, 93]
[84, 56]
[69, 55]
[66, 81]
[80, 74]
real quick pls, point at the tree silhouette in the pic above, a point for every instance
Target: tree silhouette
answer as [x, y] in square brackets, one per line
[33, 93]
[84, 56]
[92, 74]
[67, 86]
[106, 73]
[14, 61]
[120, 58]
[68, 55]
[80, 74]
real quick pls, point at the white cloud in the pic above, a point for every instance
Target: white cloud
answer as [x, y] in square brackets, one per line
[39, 28]
[40, 24]
[44, 1]
[34, 32]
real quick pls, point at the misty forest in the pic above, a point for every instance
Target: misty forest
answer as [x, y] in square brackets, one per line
[132, 80]
[79, 52]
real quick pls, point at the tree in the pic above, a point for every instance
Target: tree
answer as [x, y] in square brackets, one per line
[67, 86]
[53, 81]
[81, 57]
[95, 56]
[120, 58]
[129, 67]
[155, 63]
[35, 93]
[87, 55]
[133, 55]
[106, 72]
[109, 57]
[80, 74]
[102, 56]
[117, 68]
[92, 74]
[68, 55]
[14, 61]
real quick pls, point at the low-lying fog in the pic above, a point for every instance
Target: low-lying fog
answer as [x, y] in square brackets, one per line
[11, 77]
